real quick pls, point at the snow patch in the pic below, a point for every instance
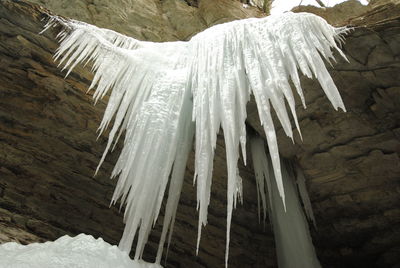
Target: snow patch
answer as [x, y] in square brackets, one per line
[81, 251]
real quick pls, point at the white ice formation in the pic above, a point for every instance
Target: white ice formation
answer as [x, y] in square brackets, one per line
[293, 242]
[165, 94]
[82, 251]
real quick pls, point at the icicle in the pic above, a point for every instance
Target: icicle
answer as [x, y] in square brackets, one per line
[301, 184]
[261, 171]
[147, 101]
[151, 86]
[292, 236]
[185, 139]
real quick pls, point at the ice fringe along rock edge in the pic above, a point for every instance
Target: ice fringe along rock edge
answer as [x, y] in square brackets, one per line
[165, 94]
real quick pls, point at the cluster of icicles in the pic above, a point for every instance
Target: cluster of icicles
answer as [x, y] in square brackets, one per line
[162, 95]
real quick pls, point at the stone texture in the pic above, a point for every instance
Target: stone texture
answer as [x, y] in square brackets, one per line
[338, 14]
[152, 20]
[49, 150]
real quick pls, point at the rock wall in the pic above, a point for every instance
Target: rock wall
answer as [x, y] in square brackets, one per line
[338, 14]
[49, 150]
[152, 20]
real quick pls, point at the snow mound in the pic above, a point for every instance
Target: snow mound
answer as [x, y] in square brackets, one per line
[81, 251]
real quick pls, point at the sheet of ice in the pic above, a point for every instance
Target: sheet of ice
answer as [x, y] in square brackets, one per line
[82, 251]
[292, 236]
[157, 89]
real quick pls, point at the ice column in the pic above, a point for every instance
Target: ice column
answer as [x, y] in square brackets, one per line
[292, 236]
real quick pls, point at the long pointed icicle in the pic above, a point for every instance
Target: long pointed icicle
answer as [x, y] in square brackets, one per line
[157, 88]
[301, 184]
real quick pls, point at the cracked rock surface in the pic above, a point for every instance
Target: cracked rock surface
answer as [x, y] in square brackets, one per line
[48, 147]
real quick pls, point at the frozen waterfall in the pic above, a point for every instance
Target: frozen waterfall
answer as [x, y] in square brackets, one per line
[162, 95]
[293, 242]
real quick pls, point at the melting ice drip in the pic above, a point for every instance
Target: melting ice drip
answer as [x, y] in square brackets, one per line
[165, 94]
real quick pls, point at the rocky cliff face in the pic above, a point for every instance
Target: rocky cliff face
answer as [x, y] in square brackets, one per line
[338, 14]
[152, 20]
[49, 151]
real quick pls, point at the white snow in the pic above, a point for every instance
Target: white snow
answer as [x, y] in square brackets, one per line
[82, 251]
[164, 94]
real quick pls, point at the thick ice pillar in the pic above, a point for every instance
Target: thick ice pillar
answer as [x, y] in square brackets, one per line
[293, 241]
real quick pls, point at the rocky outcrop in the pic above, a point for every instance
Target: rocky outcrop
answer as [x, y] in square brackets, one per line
[49, 150]
[152, 20]
[338, 14]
